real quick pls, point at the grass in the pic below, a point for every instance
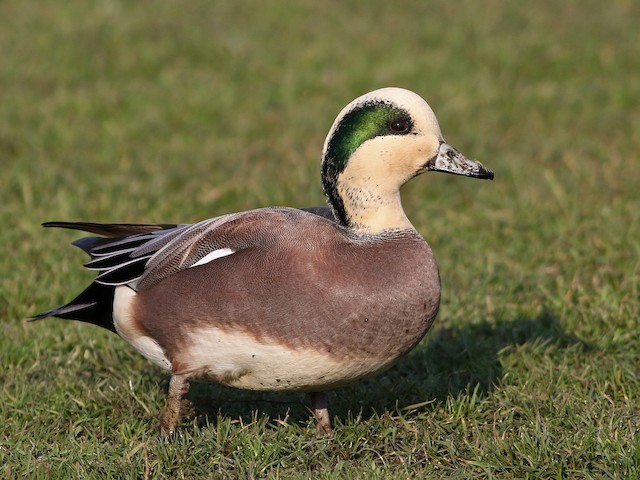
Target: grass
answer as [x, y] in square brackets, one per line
[167, 111]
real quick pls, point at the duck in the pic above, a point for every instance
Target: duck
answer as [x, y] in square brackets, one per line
[282, 298]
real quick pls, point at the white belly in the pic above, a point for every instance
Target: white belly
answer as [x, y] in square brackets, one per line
[240, 360]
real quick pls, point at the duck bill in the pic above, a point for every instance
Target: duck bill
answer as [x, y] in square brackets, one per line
[449, 160]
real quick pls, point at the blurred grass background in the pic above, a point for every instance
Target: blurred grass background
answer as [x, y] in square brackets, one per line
[163, 111]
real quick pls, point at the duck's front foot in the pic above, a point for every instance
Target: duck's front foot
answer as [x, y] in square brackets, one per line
[320, 408]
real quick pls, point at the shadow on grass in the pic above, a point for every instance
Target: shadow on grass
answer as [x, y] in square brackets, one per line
[449, 362]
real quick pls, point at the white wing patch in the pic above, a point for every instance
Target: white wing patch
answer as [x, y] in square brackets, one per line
[222, 252]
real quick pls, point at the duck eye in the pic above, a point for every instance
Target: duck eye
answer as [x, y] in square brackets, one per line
[400, 125]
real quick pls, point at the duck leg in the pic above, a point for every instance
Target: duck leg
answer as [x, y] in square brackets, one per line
[178, 388]
[320, 408]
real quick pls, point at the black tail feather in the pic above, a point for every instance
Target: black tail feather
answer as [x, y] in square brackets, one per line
[94, 305]
[87, 244]
[112, 230]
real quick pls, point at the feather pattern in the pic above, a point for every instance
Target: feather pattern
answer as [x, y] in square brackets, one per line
[142, 260]
[140, 255]
[111, 230]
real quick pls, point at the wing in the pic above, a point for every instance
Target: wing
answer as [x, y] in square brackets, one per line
[140, 255]
[153, 255]
[142, 260]
[324, 211]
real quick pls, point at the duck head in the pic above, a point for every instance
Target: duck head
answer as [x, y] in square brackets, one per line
[377, 143]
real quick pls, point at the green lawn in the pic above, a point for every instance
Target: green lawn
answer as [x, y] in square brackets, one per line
[179, 111]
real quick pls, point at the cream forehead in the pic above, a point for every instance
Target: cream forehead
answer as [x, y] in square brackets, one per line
[421, 113]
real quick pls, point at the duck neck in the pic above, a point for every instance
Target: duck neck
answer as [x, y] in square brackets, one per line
[366, 207]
